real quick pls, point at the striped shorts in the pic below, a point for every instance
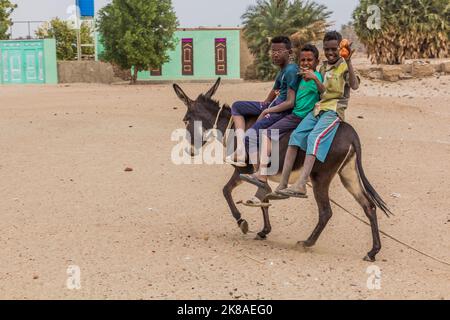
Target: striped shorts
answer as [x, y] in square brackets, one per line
[315, 134]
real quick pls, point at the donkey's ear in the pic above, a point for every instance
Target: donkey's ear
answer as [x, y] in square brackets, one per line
[214, 88]
[183, 96]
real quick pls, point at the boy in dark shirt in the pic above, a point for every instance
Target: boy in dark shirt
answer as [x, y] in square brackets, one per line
[308, 94]
[273, 109]
[316, 132]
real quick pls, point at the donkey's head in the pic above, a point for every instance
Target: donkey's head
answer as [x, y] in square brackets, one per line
[201, 113]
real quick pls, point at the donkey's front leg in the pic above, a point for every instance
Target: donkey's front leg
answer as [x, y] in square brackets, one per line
[227, 190]
[267, 227]
[261, 194]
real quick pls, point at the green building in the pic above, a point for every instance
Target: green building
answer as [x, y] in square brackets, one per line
[200, 54]
[28, 61]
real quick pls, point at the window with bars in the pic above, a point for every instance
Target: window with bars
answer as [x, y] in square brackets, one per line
[156, 72]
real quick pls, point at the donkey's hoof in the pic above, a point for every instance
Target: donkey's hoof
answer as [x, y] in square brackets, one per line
[260, 237]
[304, 244]
[369, 258]
[243, 225]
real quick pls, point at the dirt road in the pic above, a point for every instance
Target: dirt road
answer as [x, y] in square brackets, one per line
[164, 231]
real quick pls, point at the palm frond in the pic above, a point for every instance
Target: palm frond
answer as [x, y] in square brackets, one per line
[303, 21]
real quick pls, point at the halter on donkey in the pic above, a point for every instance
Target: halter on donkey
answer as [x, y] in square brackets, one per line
[344, 159]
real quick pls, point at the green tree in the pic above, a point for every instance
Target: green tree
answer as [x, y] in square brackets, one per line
[6, 9]
[66, 38]
[410, 29]
[303, 21]
[137, 34]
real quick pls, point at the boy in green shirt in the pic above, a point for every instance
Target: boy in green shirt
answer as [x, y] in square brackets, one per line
[316, 132]
[306, 98]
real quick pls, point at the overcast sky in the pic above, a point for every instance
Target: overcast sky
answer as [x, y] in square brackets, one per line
[191, 13]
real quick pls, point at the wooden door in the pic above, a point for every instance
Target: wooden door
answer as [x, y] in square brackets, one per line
[221, 56]
[187, 57]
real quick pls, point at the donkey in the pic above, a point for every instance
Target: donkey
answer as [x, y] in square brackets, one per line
[343, 159]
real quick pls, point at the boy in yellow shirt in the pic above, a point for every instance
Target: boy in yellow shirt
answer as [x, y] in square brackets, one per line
[316, 132]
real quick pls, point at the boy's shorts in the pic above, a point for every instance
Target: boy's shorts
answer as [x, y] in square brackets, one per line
[316, 134]
[284, 126]
[254, 108]
[250, 108]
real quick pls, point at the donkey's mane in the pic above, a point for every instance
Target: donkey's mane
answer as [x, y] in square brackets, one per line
[204, 99]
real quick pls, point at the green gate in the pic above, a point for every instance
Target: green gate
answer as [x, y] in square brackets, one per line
[27, 62]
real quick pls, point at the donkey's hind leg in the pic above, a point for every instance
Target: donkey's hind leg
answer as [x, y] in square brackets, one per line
[350, 179]
[227, 190]
[321, 185]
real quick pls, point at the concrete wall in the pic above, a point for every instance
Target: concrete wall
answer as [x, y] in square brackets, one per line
[86, 71]
[51, 69]
[247, 58]
[204, 55]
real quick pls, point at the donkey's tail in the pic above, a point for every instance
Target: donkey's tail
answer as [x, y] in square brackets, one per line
[369, 190]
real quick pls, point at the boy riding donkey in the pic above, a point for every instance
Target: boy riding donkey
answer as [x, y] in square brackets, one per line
[308, 94]
[274, 108]
[316, 132]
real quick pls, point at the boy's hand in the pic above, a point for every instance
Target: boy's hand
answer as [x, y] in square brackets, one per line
[352, 51]
[353, 79]
[308, 75]
[264, 114]
[349, 59]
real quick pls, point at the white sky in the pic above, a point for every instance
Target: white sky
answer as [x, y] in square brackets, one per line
[191, 13]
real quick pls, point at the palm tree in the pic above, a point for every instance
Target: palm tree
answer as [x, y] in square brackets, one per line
[410, 29]
[303, 21]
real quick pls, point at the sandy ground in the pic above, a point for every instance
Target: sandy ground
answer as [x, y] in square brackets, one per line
[165, 232]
